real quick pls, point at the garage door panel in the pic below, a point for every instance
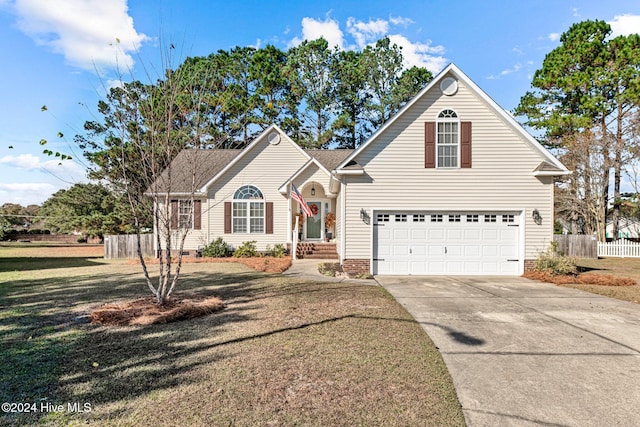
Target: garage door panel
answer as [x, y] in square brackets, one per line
[454, 234]
[455, 250]
[436, 235]
[418, 234]
[401, 234]
[473, 234]
[445, 243]
[489, 251]
[490, 234]
[435, 250]
[472, 250]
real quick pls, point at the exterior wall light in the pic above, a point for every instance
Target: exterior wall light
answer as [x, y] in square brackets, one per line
[537, 218]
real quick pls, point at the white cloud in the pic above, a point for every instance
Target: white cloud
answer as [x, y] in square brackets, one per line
[513, 69]
[554, 37]
[66, 170]
[517, 67]
[367, 32]
[399, 20]
[420, 54]
[623, 25]
[89, 33]
[26, 193]
[313, 29]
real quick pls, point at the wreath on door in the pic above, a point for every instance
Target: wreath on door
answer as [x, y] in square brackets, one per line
[314, 209]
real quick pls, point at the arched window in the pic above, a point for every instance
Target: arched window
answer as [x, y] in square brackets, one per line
[248, 210]
[447, 139]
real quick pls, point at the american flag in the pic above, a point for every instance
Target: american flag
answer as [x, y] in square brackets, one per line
[295, 195]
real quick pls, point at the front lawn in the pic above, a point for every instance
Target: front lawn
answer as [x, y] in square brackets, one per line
[618, 267]
[283, 352]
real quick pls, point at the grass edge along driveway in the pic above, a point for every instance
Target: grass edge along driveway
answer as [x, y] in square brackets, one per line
[284, 352]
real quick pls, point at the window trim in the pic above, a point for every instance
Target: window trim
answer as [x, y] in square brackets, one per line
[179, 221]
[245, 205]
[447, 115]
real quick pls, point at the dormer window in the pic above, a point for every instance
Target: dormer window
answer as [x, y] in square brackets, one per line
[447, 142]
[447, 139]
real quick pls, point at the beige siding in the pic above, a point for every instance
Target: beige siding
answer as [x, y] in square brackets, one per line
[501, 176]
[195, 238]
[267, 167]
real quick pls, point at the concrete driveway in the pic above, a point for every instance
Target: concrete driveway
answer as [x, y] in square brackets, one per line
[524, 353]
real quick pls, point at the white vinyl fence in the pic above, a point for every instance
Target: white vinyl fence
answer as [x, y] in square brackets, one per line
[620, 248]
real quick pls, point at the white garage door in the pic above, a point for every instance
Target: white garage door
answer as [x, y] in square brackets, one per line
[433, 243]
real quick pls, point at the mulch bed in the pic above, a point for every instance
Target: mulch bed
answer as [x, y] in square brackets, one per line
[266, 264]
[146, 311]
[582, 279]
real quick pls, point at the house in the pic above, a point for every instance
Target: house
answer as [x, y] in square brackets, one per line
[628, 228]
[450, 185]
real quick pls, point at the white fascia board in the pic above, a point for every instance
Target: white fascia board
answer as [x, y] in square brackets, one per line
[349, 172]
[552, 173]
[249, 148]
[283, 188]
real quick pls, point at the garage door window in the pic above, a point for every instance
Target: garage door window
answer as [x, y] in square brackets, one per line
[472, 218]
[490, 218]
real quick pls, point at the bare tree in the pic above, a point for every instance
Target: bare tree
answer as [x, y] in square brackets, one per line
[581, 196]
[144, 128]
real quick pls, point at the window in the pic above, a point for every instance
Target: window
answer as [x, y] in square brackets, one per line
[490, 218]
[248, 210]
[185, 214]
[383, 217]
[418, 218]
[472, 218]
[454, 218]
[508, 218]
[436, 218]
[401, 218]
[447, 140]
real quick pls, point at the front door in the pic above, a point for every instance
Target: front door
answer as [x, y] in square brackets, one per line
[314, 223]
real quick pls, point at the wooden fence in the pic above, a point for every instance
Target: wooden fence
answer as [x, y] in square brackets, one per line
[577, 245]
[126, 246]
[620, 248]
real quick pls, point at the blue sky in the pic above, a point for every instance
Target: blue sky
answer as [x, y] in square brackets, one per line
[62, 53]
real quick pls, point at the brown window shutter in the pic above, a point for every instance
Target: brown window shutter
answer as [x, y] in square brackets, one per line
[268, 218]
[430, 144]
[465, 144]
[197, 214]
[174, 214]
[227, 217]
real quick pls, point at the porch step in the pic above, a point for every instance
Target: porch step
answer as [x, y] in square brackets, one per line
[317, 250]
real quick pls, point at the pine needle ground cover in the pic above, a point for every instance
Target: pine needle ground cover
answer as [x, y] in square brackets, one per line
[281, 352]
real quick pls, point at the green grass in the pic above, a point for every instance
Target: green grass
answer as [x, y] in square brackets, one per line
[284, 352]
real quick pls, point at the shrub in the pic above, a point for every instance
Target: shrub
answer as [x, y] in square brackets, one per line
[278, 250]
[550, 261]
[246, 250]
[216, 249]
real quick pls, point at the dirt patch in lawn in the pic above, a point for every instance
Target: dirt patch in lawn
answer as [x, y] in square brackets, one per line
[581, 279]
[146, 311]
[266, 264]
